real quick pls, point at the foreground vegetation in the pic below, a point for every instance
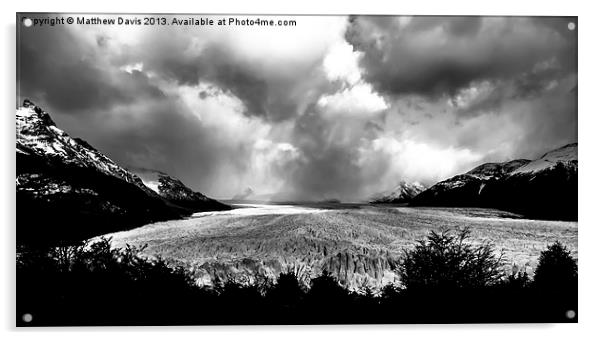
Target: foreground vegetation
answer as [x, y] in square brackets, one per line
[445, 278]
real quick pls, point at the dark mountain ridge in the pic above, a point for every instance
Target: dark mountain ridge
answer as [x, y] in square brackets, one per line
[545, 188]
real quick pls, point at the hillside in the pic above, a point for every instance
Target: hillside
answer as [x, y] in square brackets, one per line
[465, 190]
[67, 190]
[544, 188]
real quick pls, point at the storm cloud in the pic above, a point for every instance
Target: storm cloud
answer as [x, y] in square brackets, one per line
[441, 55]
[334, 107]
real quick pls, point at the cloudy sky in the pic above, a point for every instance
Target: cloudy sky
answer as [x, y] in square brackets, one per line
[334, 107]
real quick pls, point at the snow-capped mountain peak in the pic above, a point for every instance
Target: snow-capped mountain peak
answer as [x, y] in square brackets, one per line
[173, 190]
[38, 135]
[403, 192]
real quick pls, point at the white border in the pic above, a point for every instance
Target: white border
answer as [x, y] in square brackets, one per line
[590, 157]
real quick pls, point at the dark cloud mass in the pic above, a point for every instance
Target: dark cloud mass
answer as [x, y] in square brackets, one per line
[436, 56]
[214, 65]
[413, 98]
[55, 66]
[271, 94]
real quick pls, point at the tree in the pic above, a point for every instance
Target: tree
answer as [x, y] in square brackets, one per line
[448, 261]
[556, 268]
[326, 288]
[288, 290]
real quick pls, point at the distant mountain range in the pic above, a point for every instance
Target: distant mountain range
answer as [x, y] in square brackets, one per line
[403, 193]
[545, 188]
[67, 190]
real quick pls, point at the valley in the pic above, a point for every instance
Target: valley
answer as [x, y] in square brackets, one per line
[359, 245]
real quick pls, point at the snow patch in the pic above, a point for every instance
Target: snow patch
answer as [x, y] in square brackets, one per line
[481, 187]
[153, 185]
[549, 160]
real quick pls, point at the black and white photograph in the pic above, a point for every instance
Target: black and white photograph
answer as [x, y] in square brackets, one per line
[238, 169]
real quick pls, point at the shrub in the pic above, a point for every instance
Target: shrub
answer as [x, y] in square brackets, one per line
[556, 268]
[94, 284]
[448, 261]
[113, 286]
[516, 281]
[390, 292]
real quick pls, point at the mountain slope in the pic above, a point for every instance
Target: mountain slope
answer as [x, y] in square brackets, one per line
[543, 188]
[37, 135]
[465, 190]
[67, 190]
[173, 190]
[402, 193]
[489, 170]
[564, 156]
